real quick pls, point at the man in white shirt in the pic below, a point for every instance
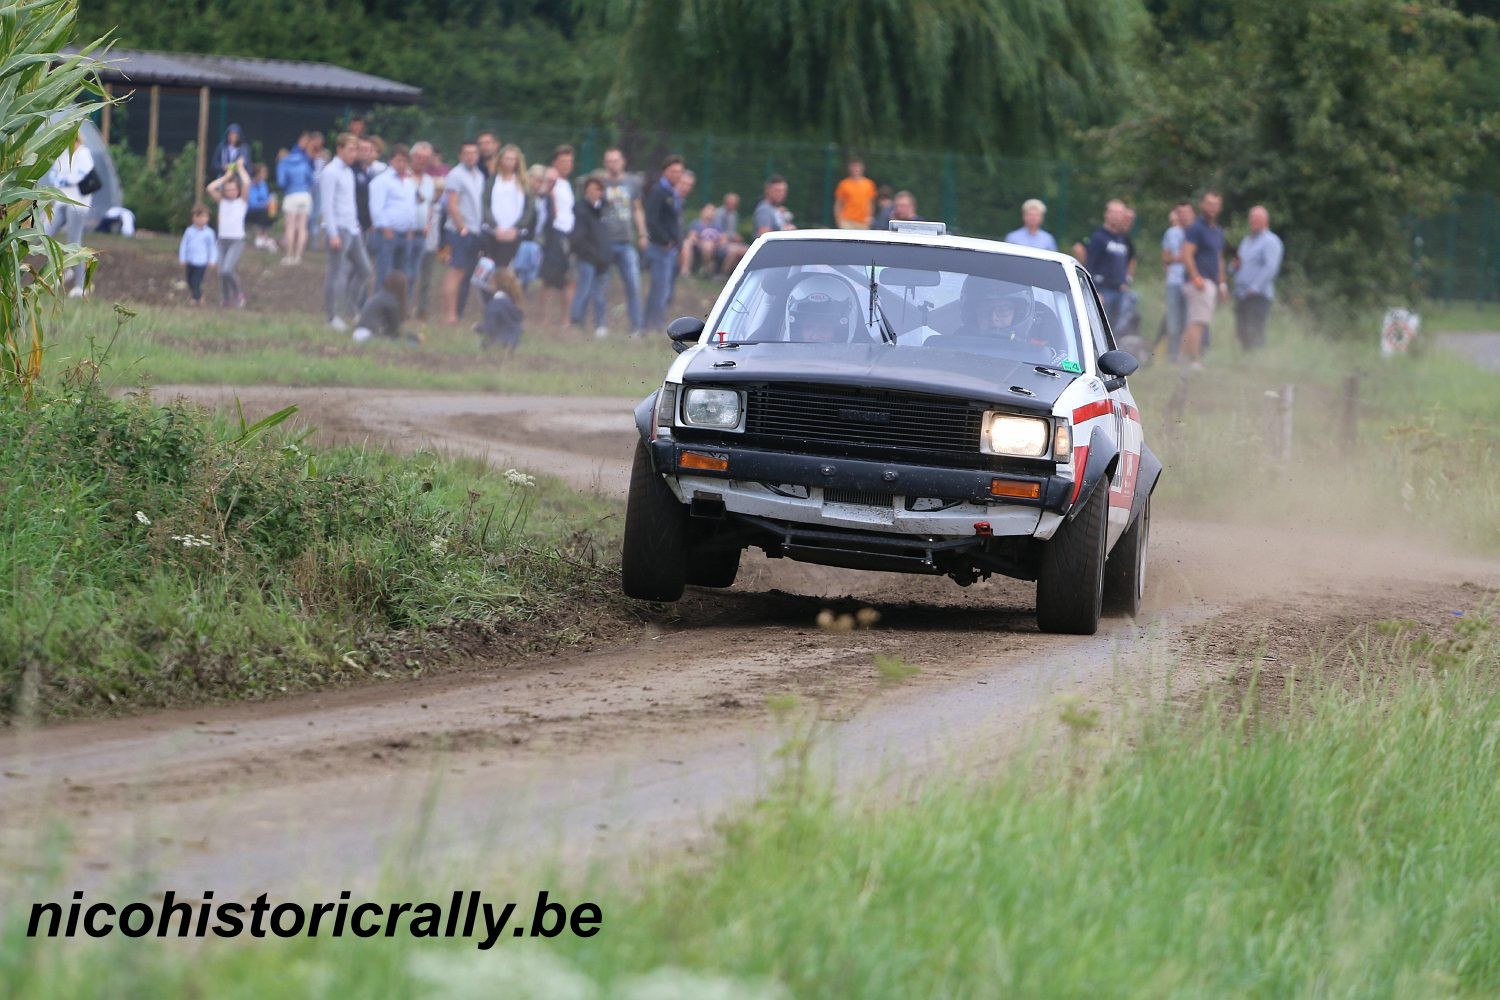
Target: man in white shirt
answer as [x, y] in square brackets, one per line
[68, 221]
[556, 295]
[393, 213]
[463, 195]
[349, 268]
[426, 221]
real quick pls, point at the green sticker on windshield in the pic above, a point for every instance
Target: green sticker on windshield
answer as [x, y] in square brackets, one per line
[1072, 366]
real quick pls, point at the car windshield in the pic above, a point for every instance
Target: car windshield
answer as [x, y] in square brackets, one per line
[819, 291]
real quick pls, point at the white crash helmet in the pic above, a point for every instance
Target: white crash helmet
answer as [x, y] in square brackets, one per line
[820, 309]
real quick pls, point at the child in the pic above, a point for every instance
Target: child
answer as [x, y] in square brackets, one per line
[501, 326]
[198, 251]
[261, 207]
[229, 192]
[385, 311]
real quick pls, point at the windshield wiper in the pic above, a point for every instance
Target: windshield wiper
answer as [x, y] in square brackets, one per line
[886, 333]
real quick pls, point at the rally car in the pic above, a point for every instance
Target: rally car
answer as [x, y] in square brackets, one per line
[902, 401]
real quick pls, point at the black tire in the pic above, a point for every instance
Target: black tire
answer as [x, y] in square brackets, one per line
[1125, 573]
[1070, 580]
[713, 567]
[653, 561]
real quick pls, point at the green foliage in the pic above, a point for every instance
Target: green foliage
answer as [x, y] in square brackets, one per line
[1341, 116]
[996, 76]
[162, 198]
[524, 56]
[154, 556]
[38, 122]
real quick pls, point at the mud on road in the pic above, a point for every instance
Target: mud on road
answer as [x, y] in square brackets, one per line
[645, 740]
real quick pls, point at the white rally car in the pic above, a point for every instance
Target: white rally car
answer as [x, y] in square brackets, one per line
[905, 401]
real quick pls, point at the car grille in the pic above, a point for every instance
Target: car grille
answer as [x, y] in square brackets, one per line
[862, 421]
[858, 498]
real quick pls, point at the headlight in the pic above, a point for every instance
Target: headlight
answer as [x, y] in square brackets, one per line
[719, 408]
[1025, 437]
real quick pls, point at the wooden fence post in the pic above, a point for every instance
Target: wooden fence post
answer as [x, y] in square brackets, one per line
[153, 127]
[202, 141]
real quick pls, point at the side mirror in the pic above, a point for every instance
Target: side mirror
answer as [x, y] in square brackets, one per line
[1117, 364]
[683, 331]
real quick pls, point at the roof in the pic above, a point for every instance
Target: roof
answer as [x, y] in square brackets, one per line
[140, 68]
[916, 239]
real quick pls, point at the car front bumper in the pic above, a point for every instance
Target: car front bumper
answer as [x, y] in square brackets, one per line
[835, 487]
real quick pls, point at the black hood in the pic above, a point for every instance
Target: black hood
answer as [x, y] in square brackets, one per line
[928, 370]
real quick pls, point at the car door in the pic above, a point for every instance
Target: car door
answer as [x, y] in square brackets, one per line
[1127, 419]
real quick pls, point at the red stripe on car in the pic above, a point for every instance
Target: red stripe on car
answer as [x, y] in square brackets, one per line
[1088, 411]
[1080, 463]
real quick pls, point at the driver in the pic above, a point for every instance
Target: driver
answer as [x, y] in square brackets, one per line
[1003, 312]
[820, 310]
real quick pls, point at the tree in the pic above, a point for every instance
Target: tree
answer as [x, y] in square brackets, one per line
[994, 76]
[1340, 115]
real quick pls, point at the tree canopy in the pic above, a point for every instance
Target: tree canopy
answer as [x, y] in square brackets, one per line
[995, 76]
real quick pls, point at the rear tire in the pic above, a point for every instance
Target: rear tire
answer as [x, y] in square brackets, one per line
[653, 562]
[1125, 573]
[713, 567]
[1070, 579]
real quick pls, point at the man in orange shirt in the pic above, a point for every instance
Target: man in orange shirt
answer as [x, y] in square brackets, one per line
[854, 198]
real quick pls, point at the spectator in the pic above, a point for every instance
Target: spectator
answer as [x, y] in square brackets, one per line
[1171, 257]
[501, 325]
[854, 198]
[904, 208]
[727, 221]
[348, 261]
[422, 229]
[1031, 234]
[1107, 259]
[1203, 263]
[69, 220]
[230, 151]
[356, 128]
[509, 212]
[1127, 222]
[555, 255]
[229, 191]
[198, 251]
[591, 254]
[364, 162]
[385, 314]
[884, 205]
[393, 215]
[528, 262]
[489, 151]
[685, 187]
[294, 176]
[663, 213]
[772, 215]
[700, 242]
[625, 226]
[1257, 262]
[464, 194]
[317, 152]
[262, 208]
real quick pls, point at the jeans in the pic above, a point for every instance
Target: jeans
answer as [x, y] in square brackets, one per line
[1112, 299]
[662, 263]
[1250, 321]
[390, 254]
[592, 283]
[194, 273]
[229, 279]
[628, 262]
[1176, 319]
[528, 263]
[465, 254]
[348, 274]
[68, 223]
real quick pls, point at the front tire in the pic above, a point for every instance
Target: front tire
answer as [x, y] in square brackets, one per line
[653, 560]
[1125, 573]
[1070, 580]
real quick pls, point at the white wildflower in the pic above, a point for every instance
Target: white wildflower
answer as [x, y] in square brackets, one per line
[438, 545]
[59, 510]
[520, 479]
[141, 517]
[193, 541]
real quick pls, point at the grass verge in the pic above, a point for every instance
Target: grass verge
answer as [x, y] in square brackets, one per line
[154, 555]
[1330, 832]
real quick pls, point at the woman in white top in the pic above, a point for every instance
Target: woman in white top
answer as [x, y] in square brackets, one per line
[68, 221]
[229, 191]
[508, 202]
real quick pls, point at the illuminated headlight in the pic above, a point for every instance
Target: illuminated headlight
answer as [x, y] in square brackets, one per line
[1024, 437]
[718, 408]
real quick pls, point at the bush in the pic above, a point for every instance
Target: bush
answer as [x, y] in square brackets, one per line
[162, 198]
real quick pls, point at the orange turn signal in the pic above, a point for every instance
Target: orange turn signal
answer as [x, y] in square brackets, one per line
[698, 460]
[1016, 488]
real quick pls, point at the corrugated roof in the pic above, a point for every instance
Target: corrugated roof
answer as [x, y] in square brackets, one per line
[140, 68]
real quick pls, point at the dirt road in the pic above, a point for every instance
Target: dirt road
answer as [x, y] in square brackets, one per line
[644, 742]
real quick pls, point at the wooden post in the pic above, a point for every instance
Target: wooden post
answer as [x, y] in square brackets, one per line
[153, 127]
[1349, 425]
[202, 142]
[1288, 397]
[104, 113]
